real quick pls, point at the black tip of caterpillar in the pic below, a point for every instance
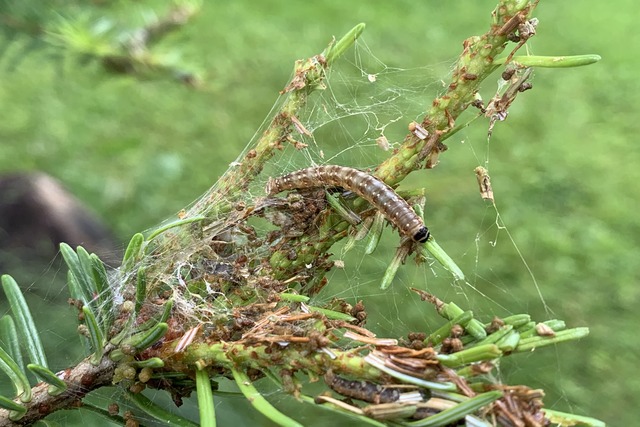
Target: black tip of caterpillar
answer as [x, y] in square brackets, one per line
[422, 235]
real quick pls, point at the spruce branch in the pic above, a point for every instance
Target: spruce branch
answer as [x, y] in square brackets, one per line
[510, 21]
[80, 380]
[124, 50]
[210, 295]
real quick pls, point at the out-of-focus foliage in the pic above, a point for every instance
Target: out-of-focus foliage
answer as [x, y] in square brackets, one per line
[563, 165]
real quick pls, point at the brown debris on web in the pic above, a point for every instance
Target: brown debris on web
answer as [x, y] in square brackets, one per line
[515, 82]
[484, 183]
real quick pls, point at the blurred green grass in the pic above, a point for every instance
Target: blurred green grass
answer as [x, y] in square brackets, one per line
[563, 165]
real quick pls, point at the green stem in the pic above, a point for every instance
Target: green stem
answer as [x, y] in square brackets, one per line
[336, 50]
[9, 337]
[96, 337]
[259, 402]
[552, 61]
[443, 258]
[17, 411]
[16, 375]
[205, 399]
[56, 385]
[564, 419]
[532, 343]
[443, 331]
[473, 354]
[24, 321]
[158, 412]
[459, 411]
[174, 224]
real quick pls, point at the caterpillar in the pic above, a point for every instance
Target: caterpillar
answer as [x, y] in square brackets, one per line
[361, 390]
[374, 191]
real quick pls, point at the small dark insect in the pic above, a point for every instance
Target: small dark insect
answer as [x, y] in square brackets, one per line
[374, 191]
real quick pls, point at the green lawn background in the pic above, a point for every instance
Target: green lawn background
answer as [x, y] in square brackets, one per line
[564, 165]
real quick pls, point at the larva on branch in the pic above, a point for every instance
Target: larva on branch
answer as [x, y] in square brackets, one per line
[361, 390]
[374, 191]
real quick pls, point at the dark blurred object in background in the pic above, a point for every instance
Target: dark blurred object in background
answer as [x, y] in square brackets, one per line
[37, 214]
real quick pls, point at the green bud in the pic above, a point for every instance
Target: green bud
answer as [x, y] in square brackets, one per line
[553, 61]
[336, 50]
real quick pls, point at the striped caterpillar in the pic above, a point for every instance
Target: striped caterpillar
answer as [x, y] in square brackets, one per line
[374, 191]
[361, 390]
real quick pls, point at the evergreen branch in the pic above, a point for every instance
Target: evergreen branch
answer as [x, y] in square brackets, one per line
[511, 19]
[126, 51]
[219, 288]
[309, 76]
[80, 380]
[476, 63]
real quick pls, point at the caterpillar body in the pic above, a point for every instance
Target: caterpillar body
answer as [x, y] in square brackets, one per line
[374, 191]
[362, 390]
